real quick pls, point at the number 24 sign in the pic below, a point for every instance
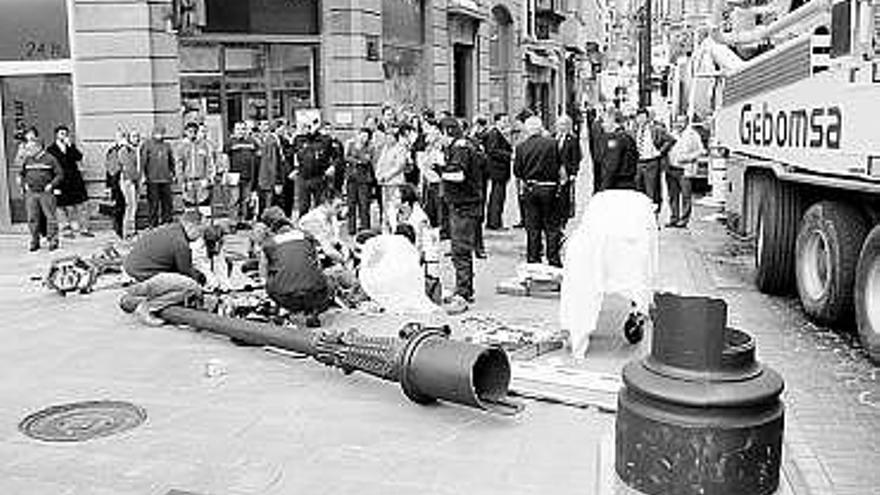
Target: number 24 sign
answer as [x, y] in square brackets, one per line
[39, 50]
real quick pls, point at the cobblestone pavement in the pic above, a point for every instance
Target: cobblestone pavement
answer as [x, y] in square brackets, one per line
[832, 390]
[277, 425]
[272, 424]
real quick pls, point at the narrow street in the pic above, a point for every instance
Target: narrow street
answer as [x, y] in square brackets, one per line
[275, 424]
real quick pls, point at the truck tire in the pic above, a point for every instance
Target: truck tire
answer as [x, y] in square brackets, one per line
[778, 214]
[867, 295]
[827, 251]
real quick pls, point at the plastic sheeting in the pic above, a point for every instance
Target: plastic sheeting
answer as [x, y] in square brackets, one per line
[614, 250]
[392, 276]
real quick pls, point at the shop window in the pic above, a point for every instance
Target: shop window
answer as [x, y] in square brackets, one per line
[262, 16]
[403, 36]
[42, 101]
[260, 81]
[33, 30]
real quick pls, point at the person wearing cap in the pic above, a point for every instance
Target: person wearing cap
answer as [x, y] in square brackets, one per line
[158, 164]
[161, 264]
[540, 177]
[290, 265]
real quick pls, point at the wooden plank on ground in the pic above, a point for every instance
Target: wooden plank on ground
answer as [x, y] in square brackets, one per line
[567, 385]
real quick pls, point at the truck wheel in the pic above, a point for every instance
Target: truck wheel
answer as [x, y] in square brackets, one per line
[778, 215]
[827, 250]
[867, 295]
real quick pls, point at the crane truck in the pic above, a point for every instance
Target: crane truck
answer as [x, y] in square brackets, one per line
[800, 122]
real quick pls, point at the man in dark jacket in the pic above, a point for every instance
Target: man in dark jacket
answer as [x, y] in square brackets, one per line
[157, 160]
[294, 277]
[161, 264]
[41, 174]
[499, 152]
[618, 155]
[269, 180]
[570, 158]
[242, 152]
[539, 174]
[460, 177]
[72, 198]
[597, 143]
[314, 156]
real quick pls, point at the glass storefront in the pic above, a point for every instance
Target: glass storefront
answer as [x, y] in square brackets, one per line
[42, 101]
[247, 81]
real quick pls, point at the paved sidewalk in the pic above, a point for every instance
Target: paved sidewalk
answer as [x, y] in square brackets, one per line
[278, 425]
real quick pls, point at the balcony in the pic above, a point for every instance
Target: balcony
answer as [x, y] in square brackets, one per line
[553, 10]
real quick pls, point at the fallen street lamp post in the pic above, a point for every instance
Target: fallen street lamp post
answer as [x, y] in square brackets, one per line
[428, 364]
[699, 415]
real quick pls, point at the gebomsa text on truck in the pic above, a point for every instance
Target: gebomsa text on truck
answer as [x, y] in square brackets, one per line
[819, 127]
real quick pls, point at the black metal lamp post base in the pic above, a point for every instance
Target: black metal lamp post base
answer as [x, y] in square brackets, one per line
[699, 416]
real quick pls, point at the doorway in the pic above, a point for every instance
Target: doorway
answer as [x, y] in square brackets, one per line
[42, 101]
[463, 77]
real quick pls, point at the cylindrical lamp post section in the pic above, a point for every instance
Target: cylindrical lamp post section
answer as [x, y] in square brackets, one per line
[428, 365]
[645, 56]
[699, 415]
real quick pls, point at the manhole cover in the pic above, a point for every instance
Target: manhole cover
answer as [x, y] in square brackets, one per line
[81, 421]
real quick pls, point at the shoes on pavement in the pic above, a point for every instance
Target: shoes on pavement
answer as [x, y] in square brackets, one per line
[144, 316]
[35, 245]
[481, 255]
[519, 226]
[455, 305]
[53, 245]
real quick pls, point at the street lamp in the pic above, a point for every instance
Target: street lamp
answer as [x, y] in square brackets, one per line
[644, 16]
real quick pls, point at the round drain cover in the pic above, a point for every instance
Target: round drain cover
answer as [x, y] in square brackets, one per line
[81, 421]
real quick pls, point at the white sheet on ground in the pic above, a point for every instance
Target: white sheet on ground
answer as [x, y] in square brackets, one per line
[614, 250]
[392, 276]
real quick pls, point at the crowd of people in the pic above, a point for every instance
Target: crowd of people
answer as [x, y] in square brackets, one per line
[639, 152]
[427, 176]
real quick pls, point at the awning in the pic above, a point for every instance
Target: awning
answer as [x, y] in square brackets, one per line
[467, 8]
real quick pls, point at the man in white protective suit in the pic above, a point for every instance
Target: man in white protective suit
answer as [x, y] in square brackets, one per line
[614, 250]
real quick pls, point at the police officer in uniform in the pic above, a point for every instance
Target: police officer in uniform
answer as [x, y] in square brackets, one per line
[541, 177]
[461, 183]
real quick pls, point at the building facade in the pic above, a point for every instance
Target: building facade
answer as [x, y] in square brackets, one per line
[98, 66]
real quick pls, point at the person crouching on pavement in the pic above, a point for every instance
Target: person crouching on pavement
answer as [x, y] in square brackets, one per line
[290, 266]
[462, 188]
[323, 223]
[161, 263]
[41, 174]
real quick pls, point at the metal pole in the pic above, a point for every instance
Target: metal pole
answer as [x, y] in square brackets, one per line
[428, 365]
[645, 57]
